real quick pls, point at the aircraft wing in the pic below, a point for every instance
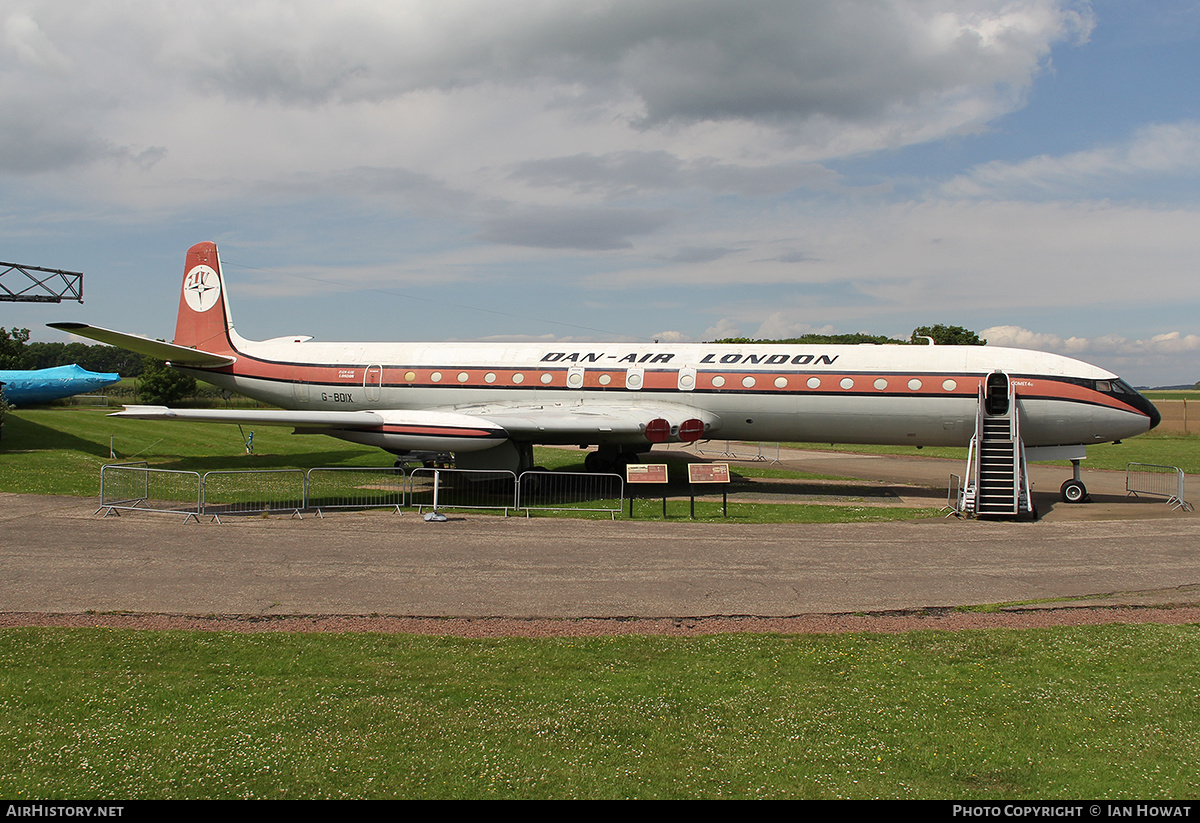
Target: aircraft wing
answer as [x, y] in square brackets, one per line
[262, 417]
[178, 355]
[470, 428]
[410, 430]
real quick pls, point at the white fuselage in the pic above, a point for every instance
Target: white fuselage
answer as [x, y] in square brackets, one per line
[881, 394]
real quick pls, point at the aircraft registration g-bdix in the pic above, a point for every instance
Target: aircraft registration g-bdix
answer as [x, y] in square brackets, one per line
[490, 403]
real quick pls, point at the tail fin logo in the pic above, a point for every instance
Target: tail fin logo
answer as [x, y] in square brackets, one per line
[202, 288]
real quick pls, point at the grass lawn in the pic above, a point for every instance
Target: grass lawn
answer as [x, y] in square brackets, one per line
[1094, 712]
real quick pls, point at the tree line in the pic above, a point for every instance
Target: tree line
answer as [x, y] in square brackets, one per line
[941, 335]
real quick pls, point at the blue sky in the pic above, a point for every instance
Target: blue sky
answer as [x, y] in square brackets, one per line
[587, 169]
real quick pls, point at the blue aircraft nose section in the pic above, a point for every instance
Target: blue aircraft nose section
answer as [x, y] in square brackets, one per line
[25, 388]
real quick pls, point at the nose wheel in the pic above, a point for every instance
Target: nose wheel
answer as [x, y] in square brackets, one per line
[1073, 491]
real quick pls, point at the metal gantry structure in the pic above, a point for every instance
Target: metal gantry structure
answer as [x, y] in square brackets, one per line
[33, 284]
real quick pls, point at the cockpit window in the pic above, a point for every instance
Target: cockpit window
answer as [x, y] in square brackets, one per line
[1115, 387]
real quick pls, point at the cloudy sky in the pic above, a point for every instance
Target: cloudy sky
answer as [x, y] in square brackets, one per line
[618, 169]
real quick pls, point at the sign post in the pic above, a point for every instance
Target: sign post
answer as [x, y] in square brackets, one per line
[636, 473]
[709, 473]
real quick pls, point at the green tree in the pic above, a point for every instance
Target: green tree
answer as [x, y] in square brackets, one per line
[12, 348]
[161, 385]
[948, 336]
[93, 358]
[817, 339]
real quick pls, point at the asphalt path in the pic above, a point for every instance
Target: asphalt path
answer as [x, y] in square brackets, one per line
[58, 556]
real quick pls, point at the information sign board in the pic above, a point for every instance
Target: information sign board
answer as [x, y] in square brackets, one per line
[646, 473]
[708, 472]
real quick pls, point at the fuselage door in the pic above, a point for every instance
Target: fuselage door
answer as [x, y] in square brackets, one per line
[996, 394]
[299, 385]
[373, 382]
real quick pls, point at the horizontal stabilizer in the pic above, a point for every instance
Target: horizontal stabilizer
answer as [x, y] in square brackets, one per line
[177, 355]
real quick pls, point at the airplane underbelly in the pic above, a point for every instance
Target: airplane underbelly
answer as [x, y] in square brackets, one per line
[876, 420]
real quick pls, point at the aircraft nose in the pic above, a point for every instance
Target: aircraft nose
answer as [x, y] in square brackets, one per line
[1151, 411]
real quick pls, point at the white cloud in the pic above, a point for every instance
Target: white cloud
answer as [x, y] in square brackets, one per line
[1164, 149]
[752, 83]
[778, 327]
[24, 39]
[723, 329]
[1169, 357]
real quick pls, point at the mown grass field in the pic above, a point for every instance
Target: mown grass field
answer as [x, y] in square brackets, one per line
[1097, 712]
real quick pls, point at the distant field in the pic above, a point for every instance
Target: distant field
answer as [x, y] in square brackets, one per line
[1171, 394]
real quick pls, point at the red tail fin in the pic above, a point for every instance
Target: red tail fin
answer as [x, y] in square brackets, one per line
[203, 321]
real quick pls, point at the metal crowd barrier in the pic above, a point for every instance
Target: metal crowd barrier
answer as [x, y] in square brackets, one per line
[729, 453]
[436, 489]
[136, 486]
[1161, 481]
[575, 491]
[355, 488]
[954, 496]
[130, 486]
[253, 491]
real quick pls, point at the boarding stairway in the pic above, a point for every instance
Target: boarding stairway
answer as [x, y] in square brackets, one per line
[997, 473]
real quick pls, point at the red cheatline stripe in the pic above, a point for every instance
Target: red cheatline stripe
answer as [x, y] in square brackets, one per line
[664, 380]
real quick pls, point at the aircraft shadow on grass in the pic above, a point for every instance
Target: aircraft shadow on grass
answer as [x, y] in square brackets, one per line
[22, 435]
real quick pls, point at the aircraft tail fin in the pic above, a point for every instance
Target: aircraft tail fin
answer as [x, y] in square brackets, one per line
[204, 322]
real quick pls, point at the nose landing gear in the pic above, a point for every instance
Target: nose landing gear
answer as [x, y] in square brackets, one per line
[1073, 490]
